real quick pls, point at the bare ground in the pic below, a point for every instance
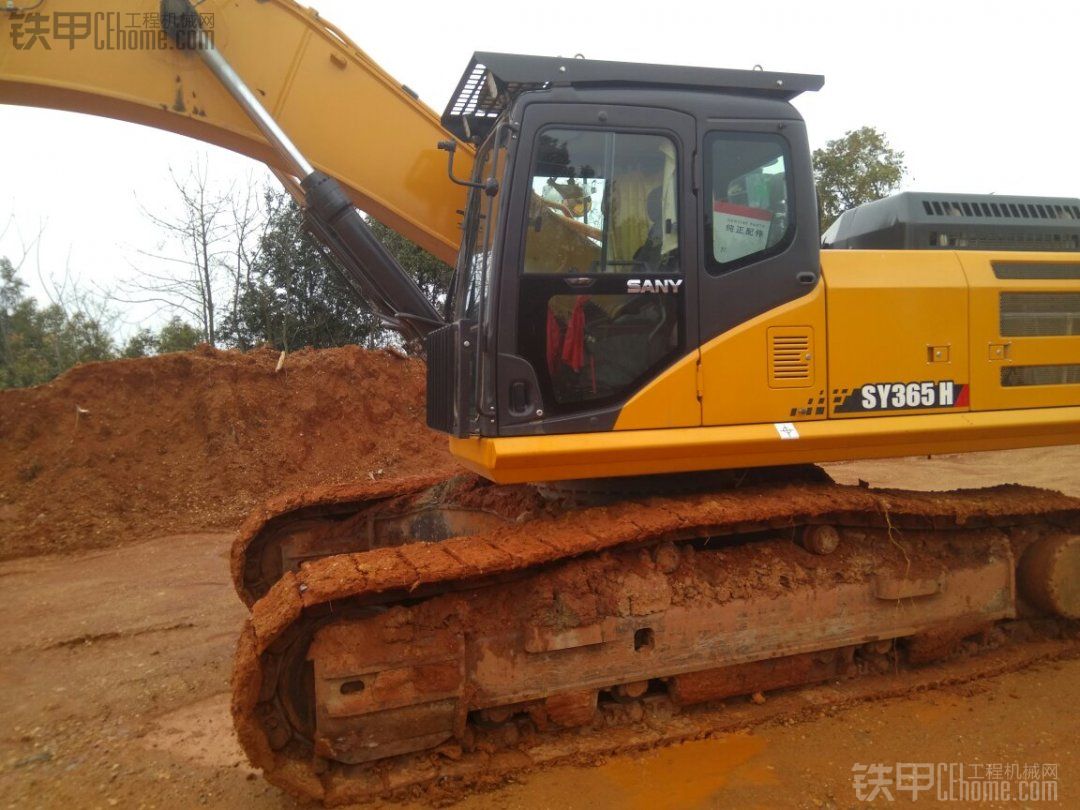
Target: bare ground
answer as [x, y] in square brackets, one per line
[115, 668]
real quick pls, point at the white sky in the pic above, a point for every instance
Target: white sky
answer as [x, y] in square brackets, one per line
[979, 95]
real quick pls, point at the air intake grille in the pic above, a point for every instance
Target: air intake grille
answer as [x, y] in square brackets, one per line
[1064, 374]
[1040, 314]
[1000, 210]
[791, 357]
[1000, 240]
[1053, 271]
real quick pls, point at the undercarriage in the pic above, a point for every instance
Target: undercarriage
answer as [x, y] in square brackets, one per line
[405, 632]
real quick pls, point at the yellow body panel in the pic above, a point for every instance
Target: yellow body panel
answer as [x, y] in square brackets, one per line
[733, 376]
[737, 388]
[991, 352]
[671, 400]
[894, 317]
[347, 115]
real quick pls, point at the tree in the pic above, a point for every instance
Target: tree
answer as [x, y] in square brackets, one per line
[214, 229]
[177, 336]
[38, 344]
[858, 168]
[142, 344]
[294, 295]
[253, 274]
[11, 294]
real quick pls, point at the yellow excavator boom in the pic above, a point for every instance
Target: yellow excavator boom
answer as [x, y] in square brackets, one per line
[351, 118]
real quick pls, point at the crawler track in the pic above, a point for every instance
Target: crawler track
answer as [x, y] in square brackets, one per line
[355, 670]
[297, 527]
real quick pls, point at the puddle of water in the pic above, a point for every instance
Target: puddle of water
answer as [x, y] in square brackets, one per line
[686, 775]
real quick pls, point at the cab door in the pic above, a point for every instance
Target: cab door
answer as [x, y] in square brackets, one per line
[762, 299]
[595, 297]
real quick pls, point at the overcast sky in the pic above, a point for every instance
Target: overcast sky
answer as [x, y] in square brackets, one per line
[981, 96]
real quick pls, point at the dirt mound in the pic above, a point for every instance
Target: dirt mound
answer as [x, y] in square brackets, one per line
[115, 452]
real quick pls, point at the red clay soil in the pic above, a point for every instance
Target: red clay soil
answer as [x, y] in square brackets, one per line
[118, 451]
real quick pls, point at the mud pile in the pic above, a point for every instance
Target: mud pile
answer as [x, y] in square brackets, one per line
[117, 452]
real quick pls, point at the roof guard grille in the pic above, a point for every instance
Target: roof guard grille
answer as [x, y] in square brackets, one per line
[492, 81]
[479, 95]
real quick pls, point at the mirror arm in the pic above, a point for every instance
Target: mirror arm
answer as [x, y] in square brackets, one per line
[489, 186]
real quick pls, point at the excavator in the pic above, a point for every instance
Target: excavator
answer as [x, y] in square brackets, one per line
[646, 349]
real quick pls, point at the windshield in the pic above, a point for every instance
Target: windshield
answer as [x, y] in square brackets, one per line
[474, 263]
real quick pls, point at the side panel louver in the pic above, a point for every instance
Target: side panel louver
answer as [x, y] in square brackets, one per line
[1059, 374]
[791, 360]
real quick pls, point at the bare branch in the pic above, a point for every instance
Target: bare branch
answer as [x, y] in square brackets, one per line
[205, 250]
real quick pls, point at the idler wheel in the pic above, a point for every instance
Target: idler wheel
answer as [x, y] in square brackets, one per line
[1049, 575]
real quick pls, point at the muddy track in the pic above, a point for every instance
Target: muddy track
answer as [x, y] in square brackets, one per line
[325, 521]
[508, 752]
[334, 590]
[298, 527]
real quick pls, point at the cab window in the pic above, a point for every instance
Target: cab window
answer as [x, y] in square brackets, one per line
[602, 202]
[750, 199]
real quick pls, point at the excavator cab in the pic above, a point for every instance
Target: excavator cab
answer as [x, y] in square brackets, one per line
[596, 189]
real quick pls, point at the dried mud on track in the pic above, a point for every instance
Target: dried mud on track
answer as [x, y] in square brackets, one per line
[120, 451]
[115, 666]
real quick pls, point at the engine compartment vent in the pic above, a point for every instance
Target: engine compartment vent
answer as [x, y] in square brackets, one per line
[1039, 314]
[791, 359]
[1061, 374]
[923, 221]
[1002, 210]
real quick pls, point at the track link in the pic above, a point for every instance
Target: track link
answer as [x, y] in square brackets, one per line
[358, 663]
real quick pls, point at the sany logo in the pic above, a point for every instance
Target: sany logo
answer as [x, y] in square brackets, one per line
[667, 285]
